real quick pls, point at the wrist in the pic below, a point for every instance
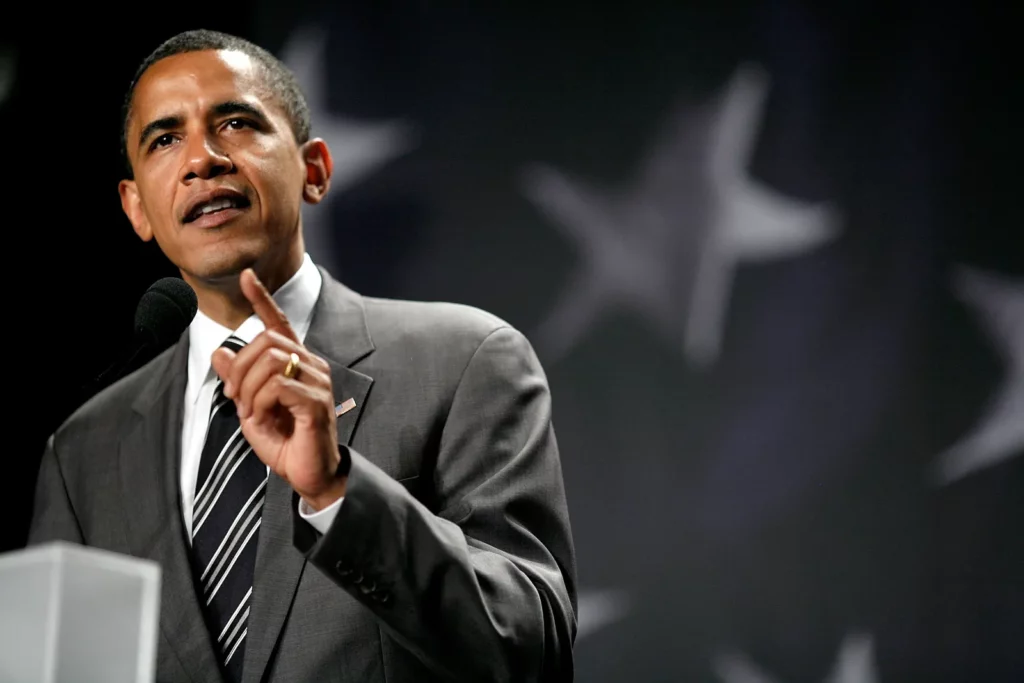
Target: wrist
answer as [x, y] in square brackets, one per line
[334, 488]
[328, 496]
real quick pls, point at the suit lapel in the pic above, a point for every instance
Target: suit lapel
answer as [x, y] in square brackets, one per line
[150, 463]
[278, 570]
[338, 334]
[353, 386]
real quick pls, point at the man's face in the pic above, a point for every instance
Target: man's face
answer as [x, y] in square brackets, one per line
[219, 178]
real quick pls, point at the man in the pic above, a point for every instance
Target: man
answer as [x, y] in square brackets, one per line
[337, 488]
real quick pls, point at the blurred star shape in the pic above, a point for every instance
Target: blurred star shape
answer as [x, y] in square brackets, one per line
[358, 148]
[600, 608]
[855, 663]
[668, 244]
[999, 304]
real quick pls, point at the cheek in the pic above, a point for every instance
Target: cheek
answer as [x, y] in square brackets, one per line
[157, 191]
[281, 185]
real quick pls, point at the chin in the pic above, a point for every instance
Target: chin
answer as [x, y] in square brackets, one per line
[225, 265]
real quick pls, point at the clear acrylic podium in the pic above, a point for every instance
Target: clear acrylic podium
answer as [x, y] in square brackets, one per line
[71, 614]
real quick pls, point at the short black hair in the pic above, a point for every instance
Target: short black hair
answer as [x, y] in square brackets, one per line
[279, 79]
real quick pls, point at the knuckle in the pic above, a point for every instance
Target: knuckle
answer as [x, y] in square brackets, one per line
[263, 397]
[324, 413]
[256, 368]
[278, 338]
[256, 345]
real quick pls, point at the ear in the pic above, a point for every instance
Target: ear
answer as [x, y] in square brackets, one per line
[131, 203]
[319, 165]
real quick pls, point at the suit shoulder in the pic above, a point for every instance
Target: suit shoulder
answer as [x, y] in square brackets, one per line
[438, 334]
[439, 321]
[109, 406]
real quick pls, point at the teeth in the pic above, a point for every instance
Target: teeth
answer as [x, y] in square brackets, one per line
[216, 205]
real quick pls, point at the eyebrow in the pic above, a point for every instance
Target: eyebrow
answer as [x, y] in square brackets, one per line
[223, 109]
[236, 107]
[154, 127]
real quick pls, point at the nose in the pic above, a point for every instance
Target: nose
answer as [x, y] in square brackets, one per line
[204, 160]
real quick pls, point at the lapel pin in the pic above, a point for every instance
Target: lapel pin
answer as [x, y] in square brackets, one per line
[345, 406]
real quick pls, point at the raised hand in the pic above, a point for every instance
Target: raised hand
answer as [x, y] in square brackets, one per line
[288, 421]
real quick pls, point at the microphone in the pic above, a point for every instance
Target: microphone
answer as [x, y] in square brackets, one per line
[165, 310]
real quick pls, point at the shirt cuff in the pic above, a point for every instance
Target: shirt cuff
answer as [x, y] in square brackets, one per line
[320, 520]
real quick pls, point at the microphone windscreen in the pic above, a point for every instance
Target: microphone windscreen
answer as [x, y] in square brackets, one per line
[165, 311]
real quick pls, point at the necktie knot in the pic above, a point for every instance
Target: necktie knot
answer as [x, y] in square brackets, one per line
[233, 343]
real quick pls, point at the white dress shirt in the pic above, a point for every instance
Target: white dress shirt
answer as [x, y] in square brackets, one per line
[296, 298]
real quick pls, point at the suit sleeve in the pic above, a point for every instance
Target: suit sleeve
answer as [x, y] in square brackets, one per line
[484, 590]
[53, 518]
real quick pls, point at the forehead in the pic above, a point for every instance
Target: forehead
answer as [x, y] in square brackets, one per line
[193, 81]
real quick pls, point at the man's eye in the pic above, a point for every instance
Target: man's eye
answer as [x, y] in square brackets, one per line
[238, 124]
[162, 141]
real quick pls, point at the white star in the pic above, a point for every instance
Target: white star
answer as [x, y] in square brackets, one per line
[999, 303]
[669, 244]
[598, 609]
[855, 663]
[357, 148]
[6, 73]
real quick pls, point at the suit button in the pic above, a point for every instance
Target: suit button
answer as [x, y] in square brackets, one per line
[368, 588]
[358, 578]
[383, 598]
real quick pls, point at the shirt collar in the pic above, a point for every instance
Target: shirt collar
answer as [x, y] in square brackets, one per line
[296, 298]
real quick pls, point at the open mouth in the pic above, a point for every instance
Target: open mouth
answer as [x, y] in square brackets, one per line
[216, 205]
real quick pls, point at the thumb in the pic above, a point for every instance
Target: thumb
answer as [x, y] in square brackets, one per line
[222, 360]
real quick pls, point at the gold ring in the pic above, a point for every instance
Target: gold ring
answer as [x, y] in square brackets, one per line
[292, 369]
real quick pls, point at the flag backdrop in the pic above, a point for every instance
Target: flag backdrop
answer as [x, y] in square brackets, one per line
[769, 256]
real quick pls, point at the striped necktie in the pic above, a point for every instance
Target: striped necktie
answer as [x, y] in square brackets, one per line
[226, 519]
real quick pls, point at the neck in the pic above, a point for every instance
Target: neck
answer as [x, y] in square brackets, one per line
[221, 299]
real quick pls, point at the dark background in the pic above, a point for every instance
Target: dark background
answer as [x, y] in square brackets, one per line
[778, 502]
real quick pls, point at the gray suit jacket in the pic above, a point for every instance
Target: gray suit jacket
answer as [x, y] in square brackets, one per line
[451, 557]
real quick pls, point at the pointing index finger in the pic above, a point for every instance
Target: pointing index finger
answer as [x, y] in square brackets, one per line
[264, 306]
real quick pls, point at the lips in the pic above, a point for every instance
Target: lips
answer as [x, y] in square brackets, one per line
[214, 202]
